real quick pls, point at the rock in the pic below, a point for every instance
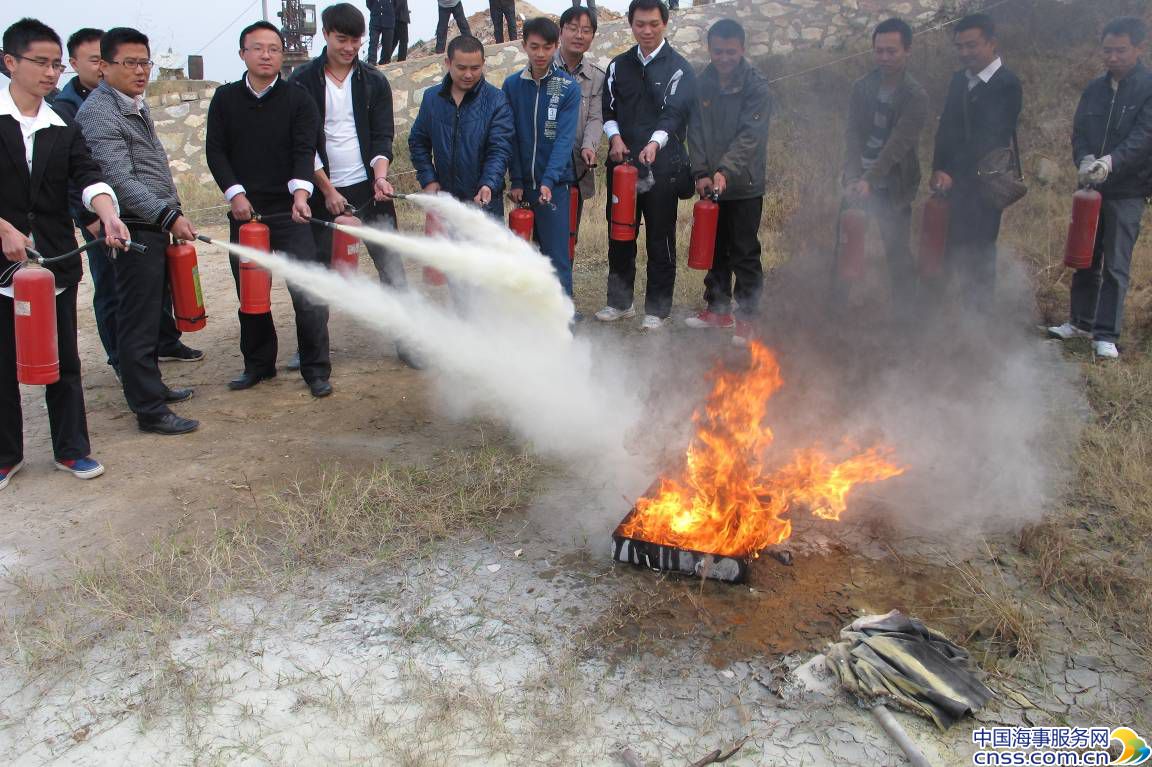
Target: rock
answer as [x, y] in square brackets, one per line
[178, 112]
[1047, 171]
[195, 121]
[1081, 679]
[1088, 661]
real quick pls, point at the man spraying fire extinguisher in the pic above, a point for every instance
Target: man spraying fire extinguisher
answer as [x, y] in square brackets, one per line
[728, 147]
[545, 106]
[261, 145]
[40, 145]
[1112, 146]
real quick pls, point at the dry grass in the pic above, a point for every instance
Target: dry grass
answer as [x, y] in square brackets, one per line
[396, 512]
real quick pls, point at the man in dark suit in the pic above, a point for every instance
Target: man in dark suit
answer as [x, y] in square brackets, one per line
[40, 154]
[980, 115]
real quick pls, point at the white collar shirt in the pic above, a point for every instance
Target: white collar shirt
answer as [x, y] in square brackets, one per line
[985, 74]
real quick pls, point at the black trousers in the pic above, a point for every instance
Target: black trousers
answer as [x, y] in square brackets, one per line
[737, 255]
[381, 39]
[401, 43]
[65, 398]
[258, 342]
[657, 208]
[389, 265]
[972, 233]
[446, 15]
[140, 287]
[503, 11]
[104, 305]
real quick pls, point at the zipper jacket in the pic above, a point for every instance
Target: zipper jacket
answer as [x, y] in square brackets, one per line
[462, 147]
[1117, 122]
[546, 115]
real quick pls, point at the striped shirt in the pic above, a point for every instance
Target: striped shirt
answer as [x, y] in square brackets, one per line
[123, 141]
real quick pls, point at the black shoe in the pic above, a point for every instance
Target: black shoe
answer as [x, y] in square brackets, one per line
[293, 363]
[168, 424]
[183, 354]
[248, 380]
[409, 359]
[172, 396]
[320, 387]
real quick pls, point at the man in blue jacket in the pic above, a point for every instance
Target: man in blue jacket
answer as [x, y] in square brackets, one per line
[546, 107]
[462, 137]
[1112, 145]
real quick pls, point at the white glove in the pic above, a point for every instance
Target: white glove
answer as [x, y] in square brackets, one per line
[1099, 170]
[1085, 166]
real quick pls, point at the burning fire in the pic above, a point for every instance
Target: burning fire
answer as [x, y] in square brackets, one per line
[728, 501]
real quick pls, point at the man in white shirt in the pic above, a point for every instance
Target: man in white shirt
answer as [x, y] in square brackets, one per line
[42, 155]
[355, 151]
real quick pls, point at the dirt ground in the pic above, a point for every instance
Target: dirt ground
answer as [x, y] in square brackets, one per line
[249, 444]
[526, 646]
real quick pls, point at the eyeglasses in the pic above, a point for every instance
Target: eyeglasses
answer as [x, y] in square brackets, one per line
[574, 30]
[45, 63]
[260, 50]
[133, 64]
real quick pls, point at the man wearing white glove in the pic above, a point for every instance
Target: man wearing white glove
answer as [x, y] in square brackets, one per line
[1112, 146]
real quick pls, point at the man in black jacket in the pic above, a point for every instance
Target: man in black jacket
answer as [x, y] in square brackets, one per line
[980, 115]
[355, 146]
[728, 144]
[403, 19]
[40, 157]
[381, 31]
[649, 93]
[1112, 147]
[260, 147]
[886, 116]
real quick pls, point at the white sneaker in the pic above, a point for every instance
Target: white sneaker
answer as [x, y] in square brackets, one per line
[651, 322]
[1105, 349]
[611, 314]
[1067, 332]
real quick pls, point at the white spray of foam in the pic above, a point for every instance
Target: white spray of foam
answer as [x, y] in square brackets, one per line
[545, 387]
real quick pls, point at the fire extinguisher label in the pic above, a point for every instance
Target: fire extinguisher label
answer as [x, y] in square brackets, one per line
[615, 200]
[23, 308]
[196, 286]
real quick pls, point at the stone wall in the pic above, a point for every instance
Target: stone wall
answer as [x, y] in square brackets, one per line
[774, 27]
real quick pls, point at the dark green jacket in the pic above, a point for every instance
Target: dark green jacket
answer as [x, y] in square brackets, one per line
[897, 169]
[728, 131]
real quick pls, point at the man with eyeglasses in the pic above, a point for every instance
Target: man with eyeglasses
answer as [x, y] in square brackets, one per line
[577, 31]
[40, 157]
[260, 145]
[355, 146]
[119, 129]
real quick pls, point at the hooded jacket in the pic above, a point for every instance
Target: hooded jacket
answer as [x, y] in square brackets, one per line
[1118, 123]
[728, 131]
[462, 147]
[545, 116]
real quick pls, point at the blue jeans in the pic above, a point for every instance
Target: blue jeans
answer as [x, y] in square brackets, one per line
[551, 232]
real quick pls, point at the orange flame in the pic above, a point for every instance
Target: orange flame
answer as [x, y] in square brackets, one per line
[727, 501]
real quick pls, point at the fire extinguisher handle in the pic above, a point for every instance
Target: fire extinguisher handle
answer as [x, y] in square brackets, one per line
[34, 254]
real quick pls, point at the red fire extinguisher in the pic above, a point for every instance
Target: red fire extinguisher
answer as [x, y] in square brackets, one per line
[1082, 229]
[853, 242]
[573, 219]
[934, 235]
[522, 221]
[255, 281]
[432, 228]
[705, 219]
[34, 304]
[187, 296]
[624, 180]
[345, 247]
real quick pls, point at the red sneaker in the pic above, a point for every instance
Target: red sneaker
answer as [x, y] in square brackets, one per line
[709, 319]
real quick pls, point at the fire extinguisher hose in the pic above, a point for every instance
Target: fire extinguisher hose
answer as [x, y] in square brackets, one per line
[38, 258]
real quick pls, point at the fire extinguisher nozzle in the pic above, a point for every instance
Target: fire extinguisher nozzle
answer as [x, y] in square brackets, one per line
[205, 238]
[135, 246]
[33, 254]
